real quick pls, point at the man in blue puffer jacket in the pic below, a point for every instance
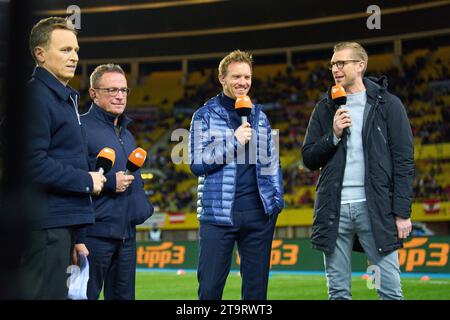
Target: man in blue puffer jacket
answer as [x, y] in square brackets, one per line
[240, 190]
[122, 204]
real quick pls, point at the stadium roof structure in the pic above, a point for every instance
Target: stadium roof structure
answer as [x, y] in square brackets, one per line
[174, 28]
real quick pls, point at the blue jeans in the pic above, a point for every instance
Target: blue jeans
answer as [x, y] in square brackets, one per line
[354, 220]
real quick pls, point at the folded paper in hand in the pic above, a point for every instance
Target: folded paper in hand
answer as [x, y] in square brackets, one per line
[78, 279]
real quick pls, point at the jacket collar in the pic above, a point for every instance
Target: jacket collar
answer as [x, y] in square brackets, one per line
[107, 117]
[375, 88]
[64, 92]
[222, 112]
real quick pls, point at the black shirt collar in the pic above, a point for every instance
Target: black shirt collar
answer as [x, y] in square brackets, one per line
[227, 102]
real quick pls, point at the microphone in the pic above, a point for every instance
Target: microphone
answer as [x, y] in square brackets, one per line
[243, 106]
[339, 97]
[105, 160]
[136, 160]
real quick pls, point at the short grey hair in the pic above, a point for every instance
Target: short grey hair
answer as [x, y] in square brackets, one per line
[101, 70]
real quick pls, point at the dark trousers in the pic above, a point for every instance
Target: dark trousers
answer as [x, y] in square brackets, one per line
[253, 232]
[112, 265]
[45, 264]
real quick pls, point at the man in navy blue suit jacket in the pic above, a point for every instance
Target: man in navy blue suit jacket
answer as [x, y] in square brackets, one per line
[57, 162]
[122, 204]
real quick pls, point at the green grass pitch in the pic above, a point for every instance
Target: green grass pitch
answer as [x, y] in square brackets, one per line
[170, 286]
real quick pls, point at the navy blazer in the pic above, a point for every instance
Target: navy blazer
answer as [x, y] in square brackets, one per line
[116, 214]
[58, 162]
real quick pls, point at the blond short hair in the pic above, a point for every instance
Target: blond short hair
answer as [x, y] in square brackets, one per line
[235, 56]
[42, 31]
[359, 53]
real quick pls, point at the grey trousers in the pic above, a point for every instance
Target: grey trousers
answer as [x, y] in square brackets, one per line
[354, 219]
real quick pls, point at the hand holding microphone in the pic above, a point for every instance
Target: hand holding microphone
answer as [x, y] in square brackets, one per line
[135, 161]
[104, 163]
[123, 181]
[341, 121]
[243, 106]
[244, 133]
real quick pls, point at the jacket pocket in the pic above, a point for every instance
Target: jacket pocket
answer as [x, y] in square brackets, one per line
[321, 207]
[68, 200]
[140, 208]
[76, 161]
[106, 208]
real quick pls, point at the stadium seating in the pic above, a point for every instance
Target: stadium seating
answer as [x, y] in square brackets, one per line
[293, 92]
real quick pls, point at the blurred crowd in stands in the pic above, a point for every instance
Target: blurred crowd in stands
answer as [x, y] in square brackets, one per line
[423, 86]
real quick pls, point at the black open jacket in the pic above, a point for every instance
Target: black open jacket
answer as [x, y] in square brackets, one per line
[389, 167]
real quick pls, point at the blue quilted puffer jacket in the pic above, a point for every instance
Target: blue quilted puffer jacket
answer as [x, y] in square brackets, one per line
[213, 155]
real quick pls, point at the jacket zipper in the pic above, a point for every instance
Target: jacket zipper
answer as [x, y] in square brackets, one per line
[340, 191]
[75, 107]
[344, 145]
[257, 158]
[379, 130]
[125, 153]
[372, 111]
[366, 162]
[235, 174]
